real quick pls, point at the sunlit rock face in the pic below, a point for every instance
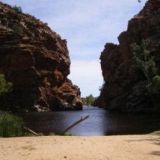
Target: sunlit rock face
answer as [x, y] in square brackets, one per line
[124, 86]
[36, 60]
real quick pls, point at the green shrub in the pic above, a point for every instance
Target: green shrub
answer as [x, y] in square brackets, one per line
[5, 86]
[154, 86]
[17, 29]
[10, 125]
[88, 100]
[5, 89]
[145, 61]
[17, 9]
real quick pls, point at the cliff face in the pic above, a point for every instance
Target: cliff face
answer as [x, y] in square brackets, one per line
[36, 60]
[124, 86]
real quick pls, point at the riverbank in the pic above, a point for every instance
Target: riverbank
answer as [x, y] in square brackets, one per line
[129, 147]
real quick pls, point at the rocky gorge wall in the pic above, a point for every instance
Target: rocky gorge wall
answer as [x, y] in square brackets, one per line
[125, 83]
[36, 60]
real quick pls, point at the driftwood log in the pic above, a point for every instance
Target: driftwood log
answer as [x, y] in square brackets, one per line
[31, 131]
[74, 124]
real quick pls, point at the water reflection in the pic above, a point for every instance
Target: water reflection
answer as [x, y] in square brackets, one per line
[100, 122]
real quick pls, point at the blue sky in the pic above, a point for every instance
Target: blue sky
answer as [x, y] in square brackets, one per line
[87, 25]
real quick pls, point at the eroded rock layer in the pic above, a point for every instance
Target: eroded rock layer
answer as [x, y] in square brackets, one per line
[36, 60]
[124, 86]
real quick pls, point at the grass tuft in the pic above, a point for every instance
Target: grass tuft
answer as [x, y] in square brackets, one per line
[10, 125]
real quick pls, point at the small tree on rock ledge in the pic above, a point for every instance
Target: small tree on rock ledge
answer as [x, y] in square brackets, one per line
[5, 86]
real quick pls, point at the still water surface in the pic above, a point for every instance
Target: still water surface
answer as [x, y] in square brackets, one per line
[100, 122]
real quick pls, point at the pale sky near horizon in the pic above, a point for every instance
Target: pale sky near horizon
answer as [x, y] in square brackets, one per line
[87, 25]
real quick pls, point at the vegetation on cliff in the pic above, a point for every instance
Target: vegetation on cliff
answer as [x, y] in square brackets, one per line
[5, 86]
[145, 61]
[17, 9]
[5, 89]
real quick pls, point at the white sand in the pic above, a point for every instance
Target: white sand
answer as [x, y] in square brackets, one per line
[137, 147]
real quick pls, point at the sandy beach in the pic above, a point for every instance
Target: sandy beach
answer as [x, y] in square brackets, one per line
[136, 147]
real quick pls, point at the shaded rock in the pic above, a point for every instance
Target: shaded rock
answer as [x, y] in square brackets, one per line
[124, 86]
[36, 60]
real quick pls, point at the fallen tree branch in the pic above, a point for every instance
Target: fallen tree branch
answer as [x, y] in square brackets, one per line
[31, 131]
[75, 123]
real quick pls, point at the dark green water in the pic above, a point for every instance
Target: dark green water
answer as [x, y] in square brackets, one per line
[100, 122]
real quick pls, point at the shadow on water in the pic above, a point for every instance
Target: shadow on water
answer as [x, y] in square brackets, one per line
[121, 123]
[100, 122]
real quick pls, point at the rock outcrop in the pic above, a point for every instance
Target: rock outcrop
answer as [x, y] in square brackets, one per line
[36, 60]
[124, 86]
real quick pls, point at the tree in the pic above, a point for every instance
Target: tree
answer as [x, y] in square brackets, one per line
[5, 86]
[18, 9]
[88, 100]
[10, 125]
[145, 61]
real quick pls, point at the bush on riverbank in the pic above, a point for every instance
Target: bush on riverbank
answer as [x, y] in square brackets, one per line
[10, 125]
[88, 100]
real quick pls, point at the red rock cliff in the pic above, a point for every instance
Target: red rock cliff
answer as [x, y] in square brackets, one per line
[125, 85]
[36, 60]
